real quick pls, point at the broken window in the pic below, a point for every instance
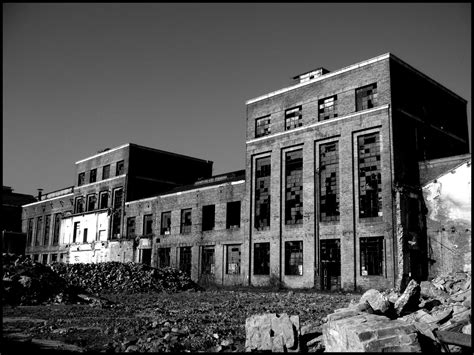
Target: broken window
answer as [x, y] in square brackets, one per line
[104, 199]
[84, 235]
[81, 179]
[370, 181]
[262, 193]
[329, 182]
[233, 215]
[233, 260]
[293, 117]
[76, 231]
[366, 97]
[93, 176]
[164, 257]
[165, 223]
[39, 227]
[57, 224]
[131, 227]
[79, 205]
[262, 126]
[327, 108]
[186, 221]
[120, 169]
[185, 260]
[371, 256]
[148, 224]
[261, 258]
[330, 264]
[91, 202]
[294, 258]
[208, 263]
[294, 187]
[29, 234]
[208, 217]
[47, 228]
[117, 212]
[105, 171]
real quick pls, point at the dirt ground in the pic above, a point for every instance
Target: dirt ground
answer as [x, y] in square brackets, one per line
[210, 321]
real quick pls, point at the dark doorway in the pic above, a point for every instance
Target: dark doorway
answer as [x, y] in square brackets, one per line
[330, 264]
[146, 256]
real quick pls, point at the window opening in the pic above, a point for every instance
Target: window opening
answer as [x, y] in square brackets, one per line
[233, 260]
[293, 118]
[186, 221]
[329, 182]
[327, 108]
[208, 264]
[294, 187]
[294, 258]
[371, 256]
[262, 126]
[165, 223]
[164, 257]
[185, 260]
[262, 193]
[366, 97]
[370, 181]
[148, 224]
[233, 215]
[208, 217]
[261, 259]
[93, 175]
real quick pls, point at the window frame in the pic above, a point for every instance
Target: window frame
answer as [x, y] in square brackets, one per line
[233, 268]
[81, 178]
[78, 201]
[378, 243]
[230, 218]
[93, 175]
[293, 268]
[263, 248]
[293, 117]
[165, 230]
[90, 198]
[148, 218]
[120, 168]
[106, 168]
[325, 113]
[266, 130]
[101, 199]
[208, 221]
[361, 96]
[131, 233]
[184, 227]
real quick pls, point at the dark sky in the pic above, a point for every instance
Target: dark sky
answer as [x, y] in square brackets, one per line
[78, 78]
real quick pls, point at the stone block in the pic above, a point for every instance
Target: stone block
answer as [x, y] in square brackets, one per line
[376, 300]
[466, 329]
[342, 314]
[410, 298]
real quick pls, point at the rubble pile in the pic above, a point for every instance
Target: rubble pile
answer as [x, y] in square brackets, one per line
[422, 318]
[113, 277]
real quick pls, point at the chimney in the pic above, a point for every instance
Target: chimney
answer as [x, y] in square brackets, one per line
[40, 193]
[311, 75]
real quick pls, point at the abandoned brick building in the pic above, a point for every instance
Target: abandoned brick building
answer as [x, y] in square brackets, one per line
[330, 196]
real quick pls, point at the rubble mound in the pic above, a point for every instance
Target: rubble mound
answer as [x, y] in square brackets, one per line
[113, 277]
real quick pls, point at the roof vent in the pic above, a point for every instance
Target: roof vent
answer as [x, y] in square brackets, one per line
[302, 78]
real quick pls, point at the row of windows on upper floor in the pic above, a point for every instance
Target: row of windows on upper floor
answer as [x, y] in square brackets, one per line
[119, 170]
[88, 204]
[366, 97]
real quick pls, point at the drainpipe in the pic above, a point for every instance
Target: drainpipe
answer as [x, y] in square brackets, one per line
[280, 221]
[354, 214]
[317, 261]
[250, 220]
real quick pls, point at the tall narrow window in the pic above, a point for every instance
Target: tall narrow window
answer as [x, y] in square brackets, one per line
[233, 259]
[164, 257]
[105, 171]
[233, 215]
[148, 224]
[131, 227]
[79, 205]
[117, 212]
[261, 258]
[186, 222]
[91, 202]
[120, 169]
[329, 181]
[294, 187]
[327, 108]
[165, 223]
[262, 126]
[29, 234]
[81, 179]
[294, 258]
[293, 117]
[104, 199]
[262, 193]
[208, 217]
[84, 235]
[39, 227]
[76, 232]
[370, 181]
[47, 229]
[93, 175]
[208, 262]
[145, 256]
[185, 259]
[366, 97]
[57, 224]
[371, 256]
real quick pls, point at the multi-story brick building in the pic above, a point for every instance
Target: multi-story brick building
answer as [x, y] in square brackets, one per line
[330, 196]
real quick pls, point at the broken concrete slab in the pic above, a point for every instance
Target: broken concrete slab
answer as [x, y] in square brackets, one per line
[376, 300]
[409, 299]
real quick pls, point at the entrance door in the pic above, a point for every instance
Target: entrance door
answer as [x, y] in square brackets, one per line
[330, 264]
[146, 256]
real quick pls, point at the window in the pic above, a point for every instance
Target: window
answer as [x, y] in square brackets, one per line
[84, 236]
[294, 187]
[370, 181]
[76, 232]
[186, 221]
[164, 257]
[293, 118]
[329, 182]
[91, 202]
[93, 175]
[233, 215]
[54, 258]
[120, 168]
[366, 97]
[262, 193]
[262, 126]
[208, 217]
[327, 108]
[104, 199]
[81, 179]
[148, 224]
[29, 234]
[44, 259]
[57, 224]
[62, 257]
[233, 260]
[261, 258]
[47, 228]
[294, 258]
[131, 227]
[117, 212]
[145, 256]
[371, 256]
[36, 257]
[185, 260]
[79, 205]
[165, 223]
[39, 227]
[105, 171]
[208, 265]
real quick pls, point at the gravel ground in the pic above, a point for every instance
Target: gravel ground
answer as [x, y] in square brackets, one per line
[212, 320]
